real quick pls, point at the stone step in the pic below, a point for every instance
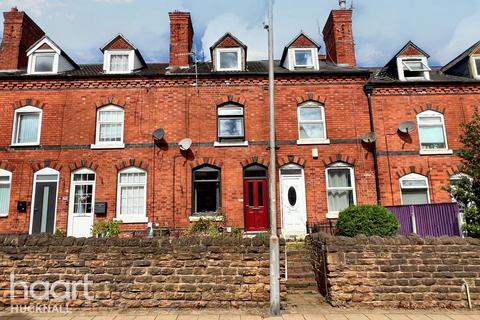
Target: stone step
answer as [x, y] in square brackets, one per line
[302, 285]
[301, 275]
[293, 264]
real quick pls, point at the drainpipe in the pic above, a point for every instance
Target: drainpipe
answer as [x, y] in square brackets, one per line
[368, 91]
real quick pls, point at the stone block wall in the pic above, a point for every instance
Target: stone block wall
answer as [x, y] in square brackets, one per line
[139, 272]
[405, 272]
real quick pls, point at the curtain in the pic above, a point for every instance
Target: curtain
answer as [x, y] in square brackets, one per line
[339, 200]
[110, 126]
[119, 62]
[4, 198]
[27, 128]
[132, 200]
[339, 178]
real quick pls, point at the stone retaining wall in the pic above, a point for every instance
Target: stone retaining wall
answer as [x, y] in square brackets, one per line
[188, 272]
[405, 272]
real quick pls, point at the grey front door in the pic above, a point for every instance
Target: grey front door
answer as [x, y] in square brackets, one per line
[44, 207]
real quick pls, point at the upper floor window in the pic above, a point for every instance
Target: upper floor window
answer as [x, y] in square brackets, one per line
[230, 123]
[304, 58]
[413, 68]
[475, 66]
[414, 189]
[43, 63]
[340, 188]
[5, 185]
[110, 122]
[46, 57]
[119, 61]
[27, 126]
[228, 59]
[206, 189]
[431, 129]
[132, 195]
[311, 123]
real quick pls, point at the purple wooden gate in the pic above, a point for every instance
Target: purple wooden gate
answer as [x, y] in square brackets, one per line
[435, 220]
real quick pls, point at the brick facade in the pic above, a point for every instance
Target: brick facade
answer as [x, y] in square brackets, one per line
[170, 96]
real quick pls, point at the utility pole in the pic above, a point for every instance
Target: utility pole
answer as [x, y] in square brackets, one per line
[274, 241]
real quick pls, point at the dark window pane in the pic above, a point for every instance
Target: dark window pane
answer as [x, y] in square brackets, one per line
[229, 60]
[250, 194]
[260, 194]
[206, 175]
[292, 196]
[477, 63]
[206, 196]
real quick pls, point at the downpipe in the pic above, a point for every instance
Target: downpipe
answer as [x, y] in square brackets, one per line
[467, 291]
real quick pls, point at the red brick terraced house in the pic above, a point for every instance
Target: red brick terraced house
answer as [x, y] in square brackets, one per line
[164, 144]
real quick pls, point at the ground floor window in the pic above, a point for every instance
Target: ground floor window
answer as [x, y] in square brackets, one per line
[5, 184]
[340, 187]
[206, 189]
[132, 194]
[414, 189]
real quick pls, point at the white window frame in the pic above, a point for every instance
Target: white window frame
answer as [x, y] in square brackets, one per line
[473, 66]
[6, 173]
[109, 144]
[340, 165]
[107, 57]
[239, 58]
[402, 66]
[304, 141]
[431, 113]
[292, 63]
[131, 218]
[26, 110]
[33, 59]
[414, 176]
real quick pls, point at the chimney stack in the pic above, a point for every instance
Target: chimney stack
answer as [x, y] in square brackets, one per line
[19, 33]
[181, 39]
[338, 37]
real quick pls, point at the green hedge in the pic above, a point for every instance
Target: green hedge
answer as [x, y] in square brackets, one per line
[369, 220]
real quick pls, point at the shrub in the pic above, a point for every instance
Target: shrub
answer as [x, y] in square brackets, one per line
[370, 220]
[106, 228]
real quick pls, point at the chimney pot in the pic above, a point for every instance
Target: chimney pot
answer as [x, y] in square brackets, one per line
[14, 9]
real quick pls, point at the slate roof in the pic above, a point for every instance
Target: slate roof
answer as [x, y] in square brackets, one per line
[204, 68]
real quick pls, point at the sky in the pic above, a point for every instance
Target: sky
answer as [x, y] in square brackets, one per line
[443, 28]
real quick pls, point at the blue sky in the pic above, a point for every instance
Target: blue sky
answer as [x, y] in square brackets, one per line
[443, 28]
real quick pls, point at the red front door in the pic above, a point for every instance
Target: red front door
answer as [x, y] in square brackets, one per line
[256, 209]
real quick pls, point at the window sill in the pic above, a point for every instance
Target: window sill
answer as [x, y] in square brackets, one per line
[108, 146]
[230, 144]
[205, 217]
[332, 215]
[435, 152]
[132, 219]
[313, 141]
[19, 145]
[3, 216]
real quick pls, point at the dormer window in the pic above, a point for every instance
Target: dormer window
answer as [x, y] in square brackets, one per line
[475, 66]
[228, 54]
[120, 56]
[228, 59]
[413, 68]
[118, 61]
[43, 63]
[301, 54]
[45, 57]
[304, 58]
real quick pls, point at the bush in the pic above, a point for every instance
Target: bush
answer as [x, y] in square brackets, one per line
[106, 228]
[370, 220]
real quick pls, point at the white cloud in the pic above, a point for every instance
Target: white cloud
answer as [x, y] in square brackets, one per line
[114, 1]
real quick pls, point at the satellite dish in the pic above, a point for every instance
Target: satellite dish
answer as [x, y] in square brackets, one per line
[158, 134]
[407, 127]
[370, 137]
[185, 144]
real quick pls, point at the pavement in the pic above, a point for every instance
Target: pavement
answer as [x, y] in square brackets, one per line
[321, 314]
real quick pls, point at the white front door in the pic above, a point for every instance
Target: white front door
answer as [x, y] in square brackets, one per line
[82, 202]
[293, 204]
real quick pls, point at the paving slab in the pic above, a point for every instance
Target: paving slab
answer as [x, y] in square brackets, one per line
[394, 316]
[209, 317]
[293, 317]
[462, 317]
[187, 317]
[314, 317]
[250, 317]
[165, 317]
[335, 316]
[356, 316]
[419, 317]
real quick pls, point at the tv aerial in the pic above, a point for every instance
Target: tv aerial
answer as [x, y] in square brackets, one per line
[370, 137]
[185, 144]
[407, 127]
